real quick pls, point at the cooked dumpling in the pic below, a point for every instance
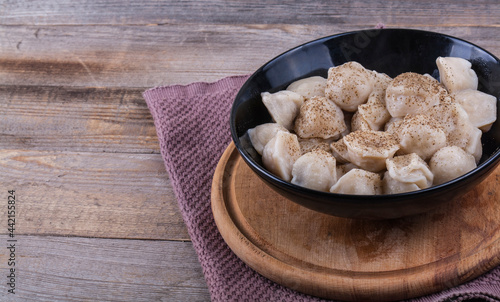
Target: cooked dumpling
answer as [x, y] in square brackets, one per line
[458, 128]
[369, 149]
[392, 186]
[309, 144]
[262, 134]
[315, 170]
[359, 182]
[319, 117]
[373, 115]
[309, 87]
[456, 74]
[412, 93]
[358, 123]
[344, 168]
[474, 145]
[413, 130]
[449, 163]
[420, 134]
[280, 153]
[381, 81]
[339, 151]
[480, 107]
[410, 169]
[393, 124]
[283, 106]
[349, 85]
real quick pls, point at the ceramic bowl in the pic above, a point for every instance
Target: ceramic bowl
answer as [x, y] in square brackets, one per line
[390, 51]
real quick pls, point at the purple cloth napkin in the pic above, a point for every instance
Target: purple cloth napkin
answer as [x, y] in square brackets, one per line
[192, 123]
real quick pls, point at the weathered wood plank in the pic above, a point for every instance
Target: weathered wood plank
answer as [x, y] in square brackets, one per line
[90, 269]
[90, 194]
[76, 119]
[76, 136]
[437, 13]
[148, 56]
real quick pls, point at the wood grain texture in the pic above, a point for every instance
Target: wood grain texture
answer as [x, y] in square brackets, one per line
[62, 118]
[109, 195]
[148, 56]
[355, 260]
[91, 269]
[78, 144]
[438, 13]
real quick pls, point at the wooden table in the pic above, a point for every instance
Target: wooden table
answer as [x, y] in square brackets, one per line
[96, 216]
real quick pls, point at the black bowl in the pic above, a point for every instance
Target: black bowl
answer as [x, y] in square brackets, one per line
[391, 51]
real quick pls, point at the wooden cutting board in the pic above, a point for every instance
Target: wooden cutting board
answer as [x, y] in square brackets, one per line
[349, 259]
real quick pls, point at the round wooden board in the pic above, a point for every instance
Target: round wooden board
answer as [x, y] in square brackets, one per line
[352, 260]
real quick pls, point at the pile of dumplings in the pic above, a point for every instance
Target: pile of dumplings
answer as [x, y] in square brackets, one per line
[362, 132]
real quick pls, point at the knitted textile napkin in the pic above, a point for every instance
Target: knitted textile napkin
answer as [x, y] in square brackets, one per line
[192, 123]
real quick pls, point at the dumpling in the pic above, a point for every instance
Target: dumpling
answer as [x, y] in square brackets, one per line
[373, 115]
[420, 134]
[480, 107]
[339, 151]
[349, 85]
[309, 87]
[283, 106]
[409, 169]
[280, 153]
[309, 144]
[344, 168]
[393, 124]
[381, 81]
[262, 134]
[315, 170]
[456, 74]
[359, 182]
[449, 163]
[392, 186]
[358, 123]
[474, 145]
[319, 117]
[369, 149]
[412, 93]
[458, 128]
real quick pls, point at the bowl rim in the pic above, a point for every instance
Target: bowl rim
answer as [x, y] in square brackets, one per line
[481, 168]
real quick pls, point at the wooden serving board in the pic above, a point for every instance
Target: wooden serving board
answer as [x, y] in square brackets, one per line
[350, 259]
